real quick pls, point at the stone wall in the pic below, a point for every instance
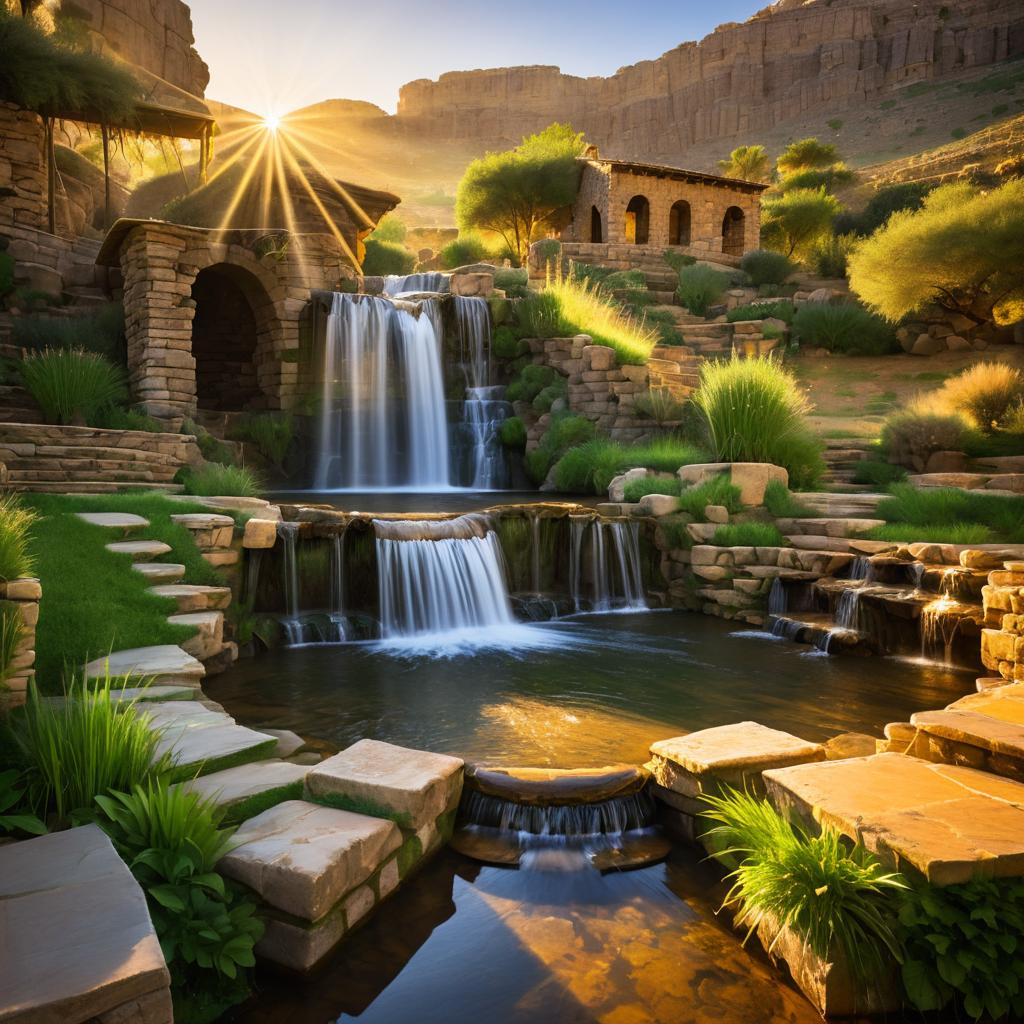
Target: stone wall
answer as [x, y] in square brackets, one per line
[23, 597]
[22, 170]
[1002, 642]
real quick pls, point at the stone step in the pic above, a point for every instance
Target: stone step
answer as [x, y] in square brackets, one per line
[250, 789]
[125, 522]
[140, 549]
[838, 527]
[209, 627]
[101, 454]
[163, 664]
[52, 470]
[194, 598]
[92, 487]
[161, 572]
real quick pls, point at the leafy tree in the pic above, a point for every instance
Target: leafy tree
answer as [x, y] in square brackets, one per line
[806, 155]
[390, 228]
[749, 163]
[797, 219]
[516, 192]
[904, 195]
[963, 251]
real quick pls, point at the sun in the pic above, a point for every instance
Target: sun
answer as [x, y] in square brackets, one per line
[271, 122]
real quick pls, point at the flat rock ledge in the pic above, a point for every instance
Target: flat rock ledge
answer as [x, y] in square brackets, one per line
[166, 664]
[552, 787]
[76, 934]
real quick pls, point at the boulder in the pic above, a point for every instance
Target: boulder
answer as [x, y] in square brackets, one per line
[658, 505]
[716, 514]
[472, 284]
[598, 357]
[259, 534]
[820, 295]
[752, 478]
[946, 462]
[926, 345]
[957, 344]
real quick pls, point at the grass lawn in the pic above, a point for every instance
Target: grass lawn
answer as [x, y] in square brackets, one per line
[93, 602]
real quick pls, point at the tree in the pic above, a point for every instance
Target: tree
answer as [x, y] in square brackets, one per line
[795, 220]
[516, 192]
[806, 155]
[390, 228]
[749, 163]
[963, 251]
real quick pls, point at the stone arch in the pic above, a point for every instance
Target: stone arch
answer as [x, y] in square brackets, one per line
[733, 231]
[679, 223]
[596, 232]
[638, 220]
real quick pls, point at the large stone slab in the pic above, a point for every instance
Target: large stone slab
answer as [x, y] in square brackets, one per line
[303, 858]
[249, 789]
[139, 549]
[76, 935]
[752, 478]
[160, 572]
[412, 787]
[947, 822]
[123, 521]
[167, 664]
[194, 597]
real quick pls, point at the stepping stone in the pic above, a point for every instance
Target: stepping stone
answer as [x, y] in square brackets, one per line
[202, 520]
[193, 597]
[288, 742]
[149, 694]
[303, 858]
[126, 521]
[160, 572]
[250, 789]
[412, 787]
[140, 548]
[209, 638]
[946, 822]
[166, 664]
[988, 733]
[76, 933]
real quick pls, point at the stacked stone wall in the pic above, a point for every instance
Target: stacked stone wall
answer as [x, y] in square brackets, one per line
[22, 170]
[22, 598]
[1002, 641]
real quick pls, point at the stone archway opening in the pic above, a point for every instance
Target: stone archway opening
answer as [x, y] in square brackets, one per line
[225, 338]
[638, 220]
[596, 231]
[679, 223]
[733, 225]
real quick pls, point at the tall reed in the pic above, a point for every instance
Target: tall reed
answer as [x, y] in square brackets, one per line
[71, 385]
[15, 523]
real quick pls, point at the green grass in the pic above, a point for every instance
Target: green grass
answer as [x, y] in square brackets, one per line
[948, 512]
[754, 535]
[780, 502]
[878, 473]
[935, 533]
[716, 491]
[590, 467]
[637, 489]
[16, 521]
[72, 385]
[95, 602]
[215, 480]
[781, 310]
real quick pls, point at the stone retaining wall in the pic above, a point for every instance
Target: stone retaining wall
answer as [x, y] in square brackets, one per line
[22, 596]
[1002, 642]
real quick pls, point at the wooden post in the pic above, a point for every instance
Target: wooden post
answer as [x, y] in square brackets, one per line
[51, 179]
[105, 134]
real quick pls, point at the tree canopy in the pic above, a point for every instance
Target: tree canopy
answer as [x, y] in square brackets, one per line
[749, 163]
[963, 251]
[796, 219]
[806, 155]
[516, 192]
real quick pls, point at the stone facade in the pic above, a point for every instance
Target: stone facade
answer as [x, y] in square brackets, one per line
[22, 170]
[633, 204]
[160, 264]
[1002, 642]
[22, 596]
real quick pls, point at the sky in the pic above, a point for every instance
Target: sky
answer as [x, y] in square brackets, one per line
[271, 57]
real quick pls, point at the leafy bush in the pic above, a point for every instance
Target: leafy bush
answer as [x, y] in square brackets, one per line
[700, 287]
[716, 491]
[215, 480]
[828, 178]
[15, 524]
[847, 329]
[462, 251]
[755, 412]
[984, 392]
[806, 154]
[511, 279]
[878, 473]
[565, 432]
[171, 839]
[12, 819]
[591, 467]
[780, 502]
[532, 380]
[384, 258]
[752, 535]
[211, 448]
[839, 900]
[512, 433]
[115, 418]
[540, 315]
[781, 310]
[390, 228]
[505, 344]
[962, 947]
[678, 260]
[637, 489]
[889, 199]
[71, 385]
[101, 331]
[909, 438]
[829, 256]
[797, 220]
[748, 163]
[943, 507]
[763, 266]
[271, 432]
[83, 746]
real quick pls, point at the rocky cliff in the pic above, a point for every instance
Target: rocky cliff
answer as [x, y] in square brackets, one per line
[781, 67]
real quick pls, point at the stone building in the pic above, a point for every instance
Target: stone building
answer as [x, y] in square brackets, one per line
[636, 204]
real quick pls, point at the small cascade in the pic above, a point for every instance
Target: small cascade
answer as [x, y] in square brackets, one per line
[535, 554]
[778, 601]
[616, 815]
[337, 609]
[300, 626]
[577, 529]
[383, 422]
[613, 559]
[473, 322]
[440, 577]
[940, 622]
[253, 564]
[788, 629]
[410, 284]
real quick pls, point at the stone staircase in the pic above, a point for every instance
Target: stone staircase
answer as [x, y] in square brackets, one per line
[841, 457]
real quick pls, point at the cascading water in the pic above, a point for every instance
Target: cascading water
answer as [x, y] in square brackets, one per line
[616, 579]
[615, 815]
[337, 610]
[778, 602]
[382, 423]
[411, 284]
[289, 534]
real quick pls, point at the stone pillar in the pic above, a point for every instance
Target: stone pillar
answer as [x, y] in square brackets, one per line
[22, 596]
[22, 171]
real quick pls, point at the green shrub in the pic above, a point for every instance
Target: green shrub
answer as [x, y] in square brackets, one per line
[878, 473]
[271, 432]
[115, 418]
[384, 258]
[700, 287]
[12, 632]
[512, 433]
[101, 331]
[984, 392]
[678, 260]
[935, 533]
[564, 432]
[625, 280]
[540, 315]
[215, 480]
[753, 535]
[781, 503]
[796, 220]
[806, 154]
[532, 380]
[172, 840]
[463, 251]
[830, 254]
[909, 438]
[755, 412]
[390, 228]
[511, 279]
[763, 266]
[781, 310]
[962, 947]
[828, 178]
[716, 491]
[924, 508]
[847, 329]
[660, 405]
[72, 386]
[86, 745]
[12, 796]
[506, 344]
[211, 448]
[637, 489]
[839, 900]
[547, 397]
[15, 526]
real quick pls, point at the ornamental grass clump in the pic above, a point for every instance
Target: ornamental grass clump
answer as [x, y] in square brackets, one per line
[936, 512]
[214, 480]
[15, 525]
[839, 900]
[71, 385]
[700, 287]
[987, 394]
[848, 329]
[754, 411]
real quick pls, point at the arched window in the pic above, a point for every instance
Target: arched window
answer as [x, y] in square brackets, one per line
[638, 220]
[732, 231]
[679, 223]
[596, 234]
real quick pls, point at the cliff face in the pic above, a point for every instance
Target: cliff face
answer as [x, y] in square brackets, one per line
[153, 34]
[787, 62]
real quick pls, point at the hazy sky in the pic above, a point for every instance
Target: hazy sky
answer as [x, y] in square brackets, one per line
[272, 56]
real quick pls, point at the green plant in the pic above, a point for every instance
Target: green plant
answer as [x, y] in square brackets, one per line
[511, 279]
[796, 220]
[881, 206]
[837, 899]
[763, 266]
[12, 791]
[755, 535]
[849, 329]
[384, 258]
[83, 746]
[564, 432]
[828, 178]
[878, 473]
[945, 507]
[985, 393]
[16, 520]
[12, 632]
[211, 448]
[806, 154]
[781, 310]
[700, 287]
[748, 163]
[909, 438]
[781, 503]
[462, 251]
[214, 480]
[659, 404]
[830, 254]
[755, 412]
[718, 490]
[540, 315]
[963, 251]
[532, 379]
[963, 947]
[505, 344]
[271, 432]
[100, 331]
[512, 433]
[71, 385]
[390, 228]
[115, 418]
[935, 533]
[546, 398]
[589, 468]
[678, 260]
[637, 489]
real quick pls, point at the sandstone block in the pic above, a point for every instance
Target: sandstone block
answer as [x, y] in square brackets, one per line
[260, 534]
[752, 478]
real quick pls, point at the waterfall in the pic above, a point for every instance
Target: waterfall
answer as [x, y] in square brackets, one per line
[289, 534]
[777, 598]
[612, 816]
[626, 543]
[435, 282]
[382, 422]
[848, 609]
[616, 576]
[440, 577]
[337, 610]
[253, 563]
[473, 319]
[577, 528]
[535, 554]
